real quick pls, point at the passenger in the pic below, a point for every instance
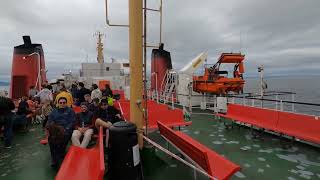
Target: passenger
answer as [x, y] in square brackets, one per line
[107, 115]
[96, 93]
[46, 109]
[24, 108]
[83, 127]
[33, 108]
[107, 92]
[45, 93]
[82, 91]
[6, 119]
[67, 95]
[31, 103]
[88, 99]
[57, 87]
[60, 124]
[33, 91]
[94, 106]
[74, 90]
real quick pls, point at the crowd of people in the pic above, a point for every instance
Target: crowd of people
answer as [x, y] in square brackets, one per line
[66, 114]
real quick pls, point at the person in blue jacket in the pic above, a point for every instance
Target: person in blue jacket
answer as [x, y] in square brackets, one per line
[60, 123]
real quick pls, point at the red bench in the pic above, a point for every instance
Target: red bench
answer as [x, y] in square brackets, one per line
[213, 163]
[157, 112]
[301, 126]
[83, 164]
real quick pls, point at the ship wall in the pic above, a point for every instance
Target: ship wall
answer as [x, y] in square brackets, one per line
[101, 69]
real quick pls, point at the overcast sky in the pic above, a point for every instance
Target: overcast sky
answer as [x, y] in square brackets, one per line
[284, 35]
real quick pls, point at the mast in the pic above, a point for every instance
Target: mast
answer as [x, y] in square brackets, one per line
[100, 57]
[136, 65]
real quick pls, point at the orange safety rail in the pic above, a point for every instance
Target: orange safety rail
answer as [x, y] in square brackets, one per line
[301, 126]
[83, 164]
[158, 112]
[213, 163]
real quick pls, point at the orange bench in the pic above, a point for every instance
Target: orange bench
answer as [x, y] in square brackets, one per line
[213, 163]
[301, 126]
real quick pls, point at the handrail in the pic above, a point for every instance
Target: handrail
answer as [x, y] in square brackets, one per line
[178, 158]
[107, 19]
[283, 101]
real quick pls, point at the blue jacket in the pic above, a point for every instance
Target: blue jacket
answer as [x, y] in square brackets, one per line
[64, 117]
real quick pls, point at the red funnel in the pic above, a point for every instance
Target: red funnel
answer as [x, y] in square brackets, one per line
[28, 60]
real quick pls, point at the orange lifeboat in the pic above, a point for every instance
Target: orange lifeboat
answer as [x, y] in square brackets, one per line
[215, 81]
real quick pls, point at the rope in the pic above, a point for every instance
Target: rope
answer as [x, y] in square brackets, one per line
[121, 110]
[178, 158]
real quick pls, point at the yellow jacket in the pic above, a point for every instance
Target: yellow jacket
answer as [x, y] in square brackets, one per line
[67, 95]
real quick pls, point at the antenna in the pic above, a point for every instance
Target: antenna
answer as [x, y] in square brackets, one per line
[240, 42]
[99, 37]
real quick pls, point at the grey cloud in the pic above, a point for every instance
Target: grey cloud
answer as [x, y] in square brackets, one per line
[282, 35]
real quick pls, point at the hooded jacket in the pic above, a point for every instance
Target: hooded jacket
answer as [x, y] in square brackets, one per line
[64, 117]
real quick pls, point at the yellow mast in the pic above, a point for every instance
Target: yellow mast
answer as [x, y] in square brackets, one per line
[136, 65]
[100, 57]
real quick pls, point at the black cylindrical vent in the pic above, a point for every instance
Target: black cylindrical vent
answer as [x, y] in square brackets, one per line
[124, 156]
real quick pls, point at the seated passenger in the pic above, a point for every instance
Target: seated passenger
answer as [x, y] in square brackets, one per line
[60, 124]
[88, 99]
[24, 113]
[107, 115]
[23, 108]
[83, 127]
[107, 92]
[96, 93]
[66, 94]
[94, 106]
[46, 109]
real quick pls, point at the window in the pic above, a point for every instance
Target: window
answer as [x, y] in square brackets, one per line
[107, 68]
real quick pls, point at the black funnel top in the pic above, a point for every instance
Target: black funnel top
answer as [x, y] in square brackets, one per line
[162, 54]
[27, 41]
[28, 47]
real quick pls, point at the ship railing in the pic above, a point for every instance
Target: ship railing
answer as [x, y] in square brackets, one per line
[280, 101]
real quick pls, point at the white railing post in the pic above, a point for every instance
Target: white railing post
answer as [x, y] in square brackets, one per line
[215, 108]
[172, 101]
[293, 102]
[243, 101]
[205, 101]
[252, 102]
[281, 105]
[276, 102]
[233, 100]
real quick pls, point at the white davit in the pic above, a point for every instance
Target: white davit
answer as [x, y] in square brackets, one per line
[193, 65]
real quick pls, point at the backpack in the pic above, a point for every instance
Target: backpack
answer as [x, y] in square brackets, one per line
[56, 134]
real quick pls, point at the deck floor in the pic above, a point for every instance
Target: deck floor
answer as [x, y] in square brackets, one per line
[261, 158]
